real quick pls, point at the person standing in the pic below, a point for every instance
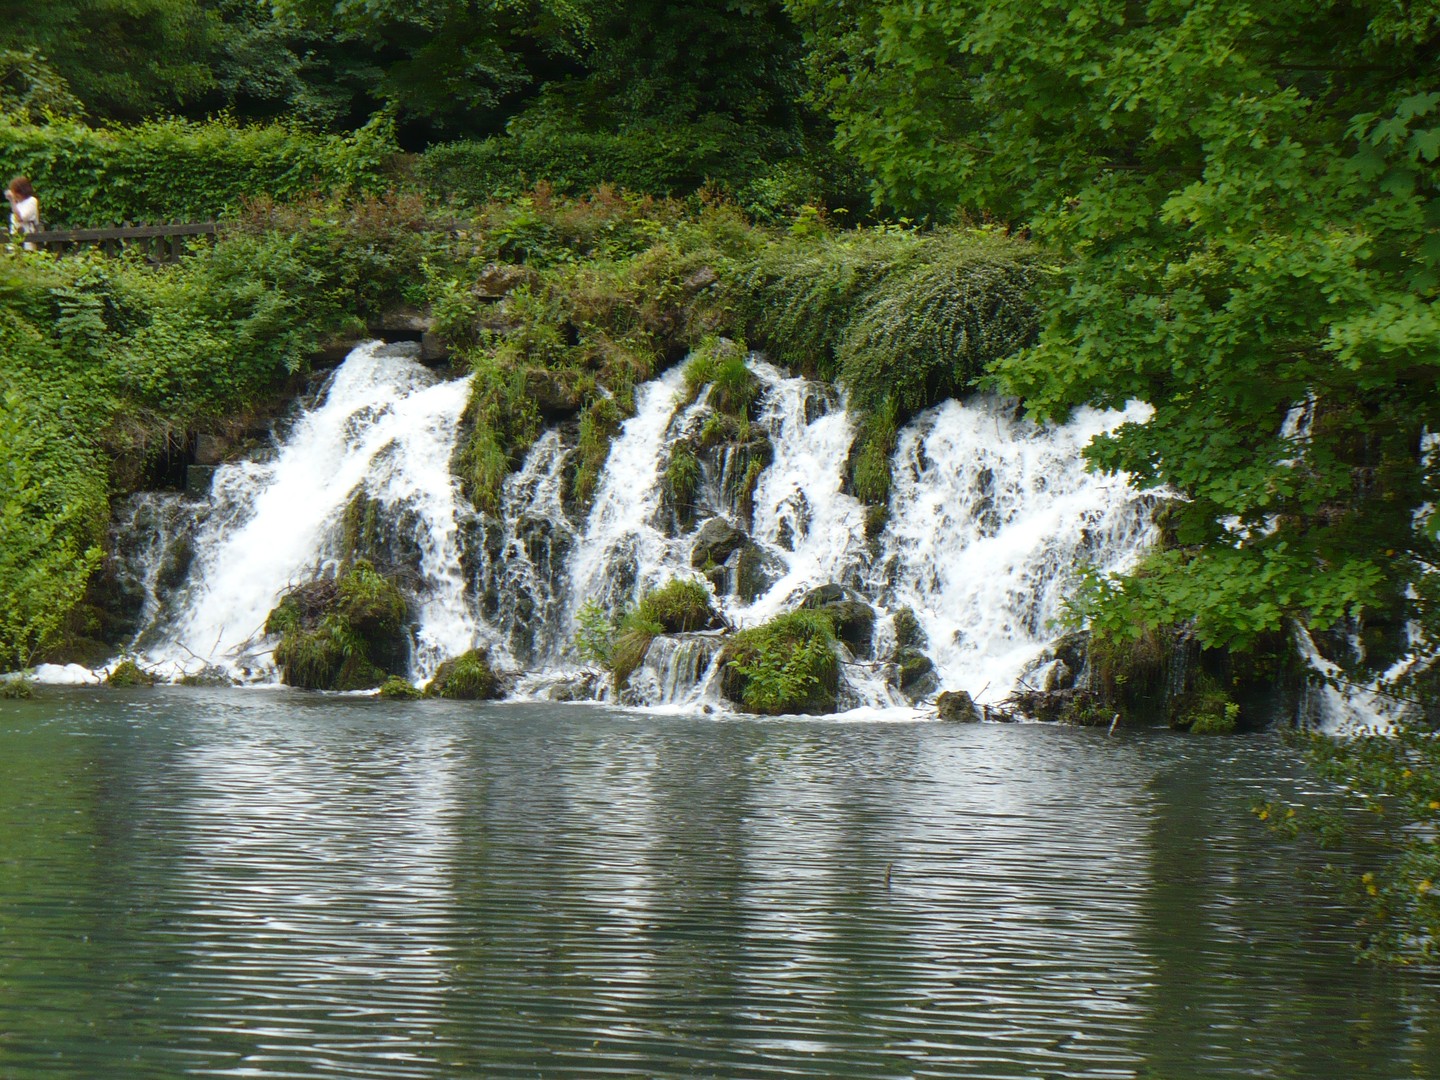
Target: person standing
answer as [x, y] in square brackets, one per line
[24, 208]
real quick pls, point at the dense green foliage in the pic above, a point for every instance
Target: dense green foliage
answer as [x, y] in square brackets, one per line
[788, 665]
[342, 633]
[175, 170]
[1246, 201]
[467, 677]
[52, 507]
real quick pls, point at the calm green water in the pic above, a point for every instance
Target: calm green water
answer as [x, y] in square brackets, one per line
[278, 885]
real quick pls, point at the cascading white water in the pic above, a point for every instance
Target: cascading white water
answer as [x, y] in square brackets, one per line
[623, 550]
[991, 517]
[384, 426]
[816, 531]
[519, 556]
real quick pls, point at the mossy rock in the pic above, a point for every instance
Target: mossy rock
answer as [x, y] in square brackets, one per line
[853, 618]
[397, 689]
[957, 707]
[16, 688]
[129, 673]
[207, 676]
[788, 665]
[909, 634]
[681, 606]
[915, 674]
[716, 541]
[467, 677]
[345, 633]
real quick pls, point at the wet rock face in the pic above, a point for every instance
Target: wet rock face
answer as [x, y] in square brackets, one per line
[715, 542]
[854, 619]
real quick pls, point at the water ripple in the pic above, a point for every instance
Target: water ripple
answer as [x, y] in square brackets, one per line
[283, 885]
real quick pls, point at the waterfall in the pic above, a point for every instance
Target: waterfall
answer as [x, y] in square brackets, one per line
[384, 428]
[990, 518]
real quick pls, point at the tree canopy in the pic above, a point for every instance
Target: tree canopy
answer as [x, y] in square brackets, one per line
[1245, 197]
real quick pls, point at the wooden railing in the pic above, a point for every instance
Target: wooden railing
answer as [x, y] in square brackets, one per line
[160, 243]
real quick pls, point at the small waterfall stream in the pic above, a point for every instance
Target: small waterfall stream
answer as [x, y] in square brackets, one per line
[990, 518]
[385, 429]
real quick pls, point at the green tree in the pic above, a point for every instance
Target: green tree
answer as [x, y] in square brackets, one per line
[1245, 198]
[51, 508]
[1244, 201]
[124, 59]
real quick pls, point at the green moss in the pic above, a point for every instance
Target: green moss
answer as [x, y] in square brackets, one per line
[599, 424]
[900, 315]
[788, 665]
[467, 677]
[397, 689]
[129, 673]
[340, 634]
[682, 478]
[680, 606]
[871, 454]
[720, 364]
[16, 688]
[632, 642]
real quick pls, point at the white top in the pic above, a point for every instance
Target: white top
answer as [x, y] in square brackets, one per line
[25, 215]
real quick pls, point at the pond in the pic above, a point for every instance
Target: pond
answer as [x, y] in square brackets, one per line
[275, 884]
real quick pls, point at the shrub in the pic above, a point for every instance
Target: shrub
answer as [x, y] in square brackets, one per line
[167, 170]
[340, 634]
[661, 160]
[788, 665]
[128, 673]
[467, 677]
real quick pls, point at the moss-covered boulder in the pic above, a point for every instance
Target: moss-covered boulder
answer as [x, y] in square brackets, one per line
[716, 541]
[396, 688]
[788, 665]
[467, 677]
[958, 707]
[680, 606]
[129, 673]
[207, 676]
[853, 618]
[914, 671]
[342, 633]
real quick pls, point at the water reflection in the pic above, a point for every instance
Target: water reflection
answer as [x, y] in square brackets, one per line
[283, 885]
